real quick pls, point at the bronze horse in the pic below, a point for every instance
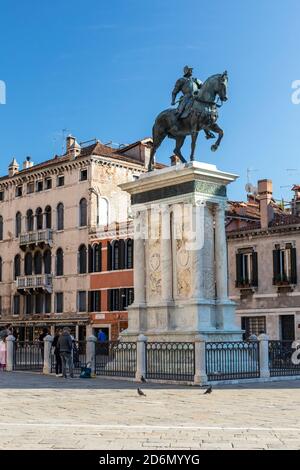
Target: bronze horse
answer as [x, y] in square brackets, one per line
[203, 115]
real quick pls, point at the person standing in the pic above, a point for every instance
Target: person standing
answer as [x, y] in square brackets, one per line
[65, 345]
[58, 364]
[41, 341]
[2, 352]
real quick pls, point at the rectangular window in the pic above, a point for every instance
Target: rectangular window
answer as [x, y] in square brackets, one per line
[120, 299]
[59, 302]
[246, 268]
[39, 186]
[253, 326]
[48, 183]
[60, 180]
[285, 265]
[39, 303]
[16, 305]
[29, 304]
[48, 299]
[83, 175]
[95, 301]
[1, 196]
[81, 301]
[30, 188]
[19, 191]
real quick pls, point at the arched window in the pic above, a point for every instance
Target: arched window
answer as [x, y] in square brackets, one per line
[39, 218]
[59, 262]
[17, 266]
[97, 251]
[1, 227]
[129, 254]
[103, 211]
[18, 223]
[95, 255]
[60, 216]
[0, 269]
[29, 220]
[83, 212]
[37, 262]
[48, 217]
[28, 264]
[47, 262]
[82, 265]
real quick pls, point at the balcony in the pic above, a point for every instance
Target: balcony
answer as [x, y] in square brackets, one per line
[39, 237]
[38, 283]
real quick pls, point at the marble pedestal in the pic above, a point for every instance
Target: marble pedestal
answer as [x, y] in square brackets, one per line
[180, 255]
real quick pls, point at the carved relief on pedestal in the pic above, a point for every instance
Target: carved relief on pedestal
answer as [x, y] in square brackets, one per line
[208, 256]
[154, 257]
[184, 272]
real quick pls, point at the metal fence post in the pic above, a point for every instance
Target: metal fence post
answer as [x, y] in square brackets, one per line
[141, 346]
[91, 352]
[47, 354]
[10, 347]
[200, 377]
[264, 355]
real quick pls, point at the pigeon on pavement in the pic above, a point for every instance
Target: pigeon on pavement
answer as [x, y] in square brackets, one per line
[208, 390]
[140, 392]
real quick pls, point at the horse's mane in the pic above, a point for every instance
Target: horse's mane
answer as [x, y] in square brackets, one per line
[212, 76]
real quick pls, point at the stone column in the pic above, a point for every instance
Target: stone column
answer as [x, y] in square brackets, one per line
[264, 355]
[10, 350]
[141, 357]
[221, 253]
[166, 255]
[200, 377]
[139, 261]
[91, 352]
[47, 354]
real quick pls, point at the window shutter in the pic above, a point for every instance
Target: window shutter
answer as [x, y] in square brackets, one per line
[91, 263]
[276, 266]
[239, 269]
[109, 256]
[254, 270]
[293, 266]
[121, 254]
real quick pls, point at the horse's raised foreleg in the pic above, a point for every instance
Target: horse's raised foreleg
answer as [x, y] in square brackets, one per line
[220, 132]
[158, 137]
[194, 137]
[177, 150]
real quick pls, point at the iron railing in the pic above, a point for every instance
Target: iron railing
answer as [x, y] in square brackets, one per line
[29, 355]
[282, 359]
[39, 236]
[115, 358]
[170, 361]
[232, 360]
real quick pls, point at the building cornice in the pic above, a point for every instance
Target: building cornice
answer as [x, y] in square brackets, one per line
[261, 233]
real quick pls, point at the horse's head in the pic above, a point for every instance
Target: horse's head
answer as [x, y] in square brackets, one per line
[215, 86]
[222, 86]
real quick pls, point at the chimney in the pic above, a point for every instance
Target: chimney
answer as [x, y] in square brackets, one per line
[174, 160]
[28, 163]
[73, 148]
[296, 201]
[265, 194]
[13, 167]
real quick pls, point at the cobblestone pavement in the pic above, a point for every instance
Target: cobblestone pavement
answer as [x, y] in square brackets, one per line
[42, 412]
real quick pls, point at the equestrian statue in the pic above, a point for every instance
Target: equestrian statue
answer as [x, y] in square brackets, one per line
[197, 110]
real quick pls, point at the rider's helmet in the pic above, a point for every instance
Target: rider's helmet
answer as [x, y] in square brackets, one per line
[186, 69]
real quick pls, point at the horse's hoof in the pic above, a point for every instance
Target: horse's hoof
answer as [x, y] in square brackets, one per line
[214, 148]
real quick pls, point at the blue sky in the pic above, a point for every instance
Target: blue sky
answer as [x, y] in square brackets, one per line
[106, 69]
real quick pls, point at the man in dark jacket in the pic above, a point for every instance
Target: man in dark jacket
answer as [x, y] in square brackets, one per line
[65, 344]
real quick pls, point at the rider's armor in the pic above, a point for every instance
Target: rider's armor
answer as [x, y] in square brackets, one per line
[189, 86]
